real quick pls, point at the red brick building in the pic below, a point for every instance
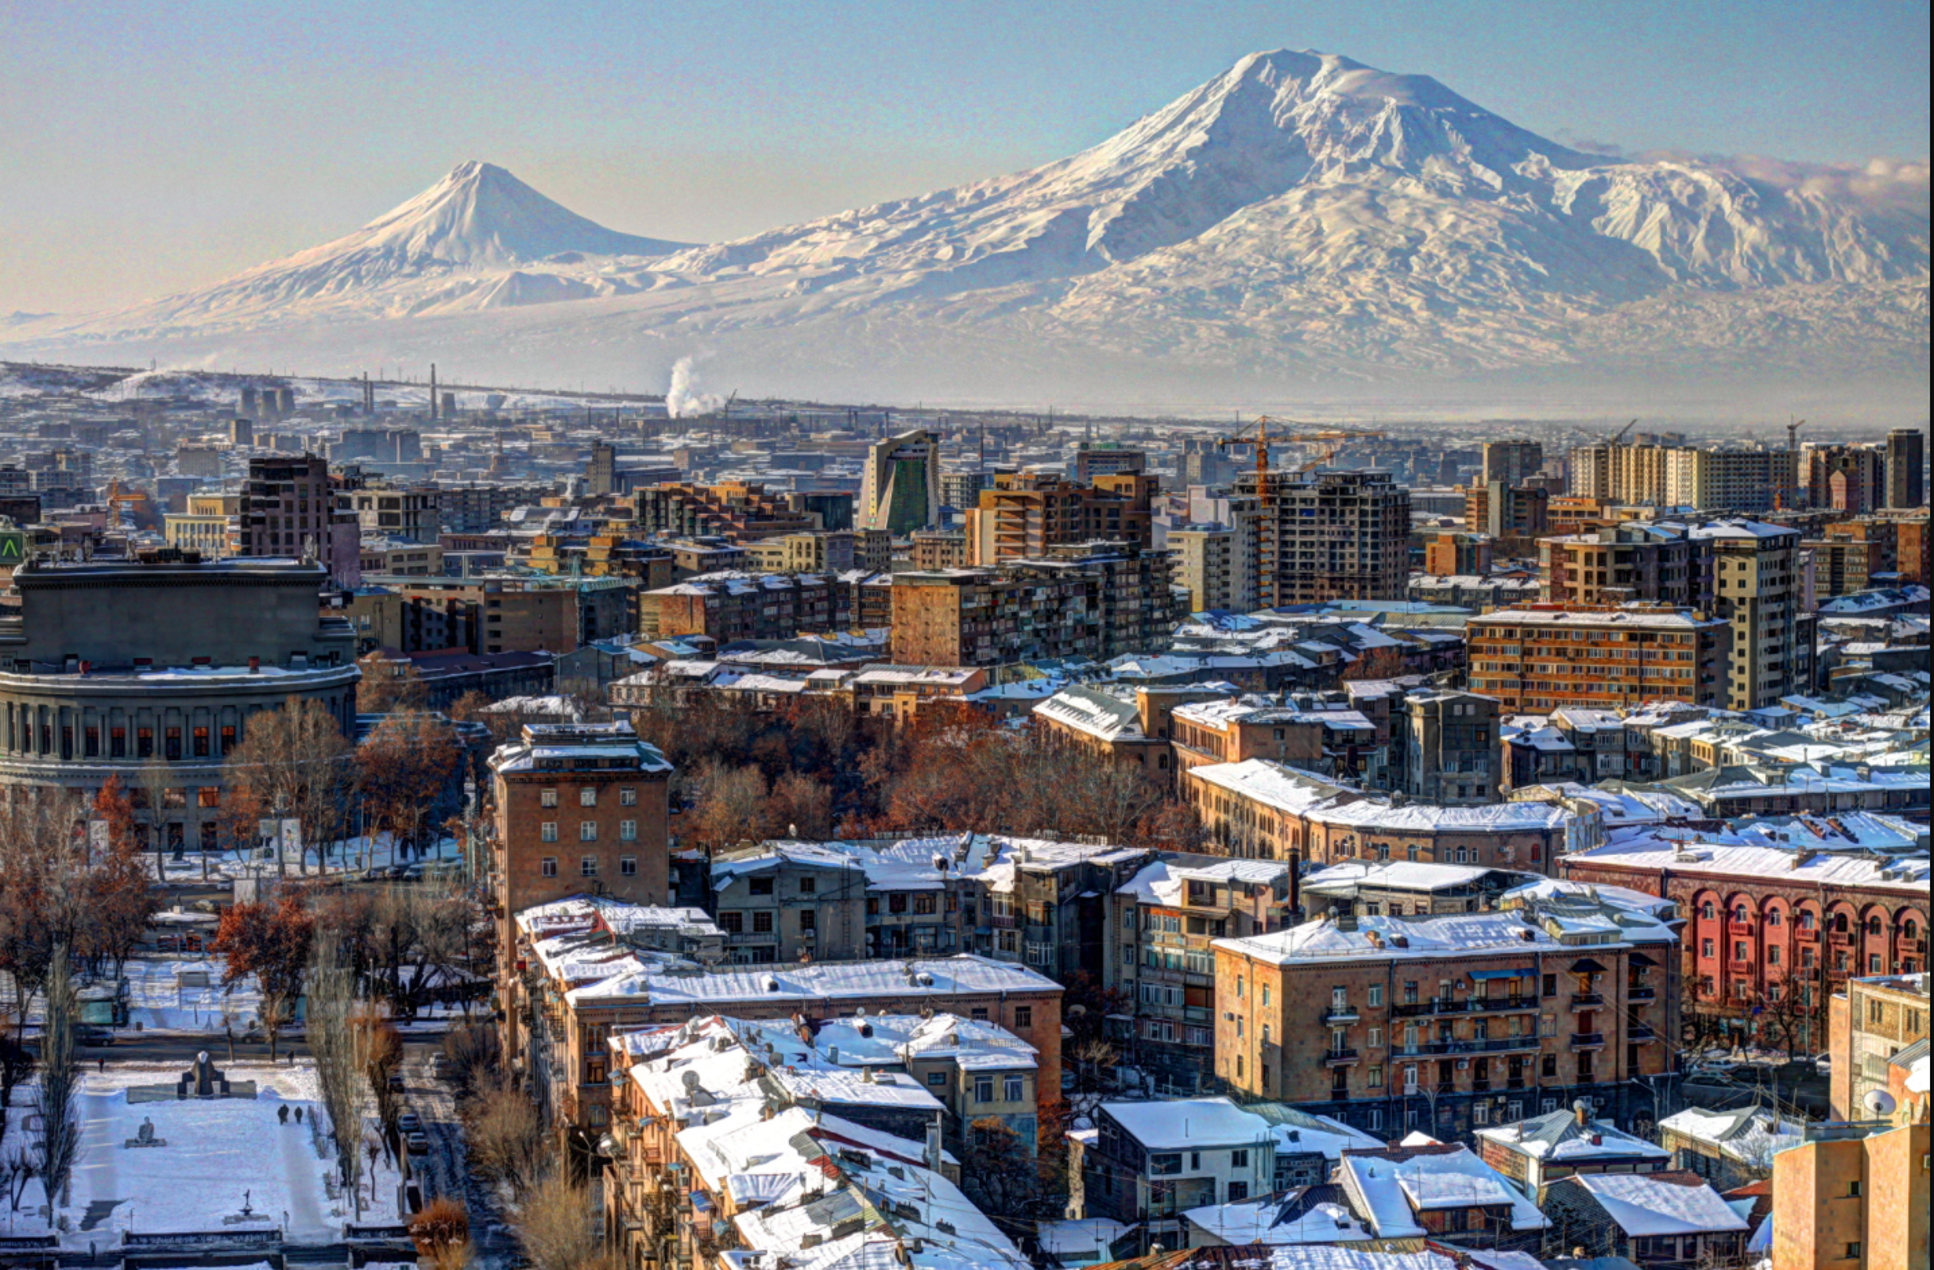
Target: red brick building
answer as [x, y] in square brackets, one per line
[1770, 933]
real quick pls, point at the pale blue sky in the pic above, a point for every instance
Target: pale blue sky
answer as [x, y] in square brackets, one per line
[151, 147]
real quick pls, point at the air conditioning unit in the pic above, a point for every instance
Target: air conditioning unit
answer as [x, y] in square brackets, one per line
[1463, 1064]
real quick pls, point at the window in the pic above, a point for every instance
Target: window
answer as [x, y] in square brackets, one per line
[759, 886]
[808, 919]
[1706, 948]
[1853, 1189]
[548, 866]
[808, 886]
[762, 921]
[1165, 1165]
[594, 1071]
[1773, 955]
[983, 1089]
[627, 831]
[547, 832]
[547, 798]
[1239, 1159]
[732, 922]
[978, 1014]
[201, 742]
[628, 866]
[1376, 1118]
[1773, 918]
[1375, 1077]
[1376, 995]
[1376, 1038]
[936, 1079]
[587, 831]
[896, 902]
[1853, 1250]
[1548, 1067]
[1410, 992]
[923, 903]
[1238, 1191]
[173, 738]
[1012, 1089]
[588, 866]
[1023, 1016]
[1480, 1112]
[627, 797]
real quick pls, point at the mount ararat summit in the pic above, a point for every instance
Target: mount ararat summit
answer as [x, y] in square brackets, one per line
[1301, 225]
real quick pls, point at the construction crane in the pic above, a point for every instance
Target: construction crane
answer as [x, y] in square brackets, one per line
[1622, 431]
[1337, 437]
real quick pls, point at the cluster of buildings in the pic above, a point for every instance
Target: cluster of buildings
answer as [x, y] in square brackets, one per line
[1524, 774]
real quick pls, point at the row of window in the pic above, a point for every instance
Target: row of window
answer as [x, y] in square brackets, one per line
[588, 866]
[588, 831]
[588, 796]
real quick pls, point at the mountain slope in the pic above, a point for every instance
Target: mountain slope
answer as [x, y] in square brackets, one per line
[1301, 218]
[465, 236]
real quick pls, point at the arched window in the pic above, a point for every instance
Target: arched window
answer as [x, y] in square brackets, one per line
[1739, 912]
[1707, 911]
[1873, 925]
[1910, 929]
[1773, 917]
[1840, 923]
[1808, 920]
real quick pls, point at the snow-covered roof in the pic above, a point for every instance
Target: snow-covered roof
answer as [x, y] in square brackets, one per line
[1095, 711]
[716, 989]
[1557, 1136]
[1347, 876]
[1273, 784]
[1391, 1188]
[1507, 935]
[1184, 1124]
[1708, 852]
[1751, 1135]
[1651, 1204]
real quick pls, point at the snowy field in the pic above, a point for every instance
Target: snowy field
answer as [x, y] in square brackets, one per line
[216, 1150]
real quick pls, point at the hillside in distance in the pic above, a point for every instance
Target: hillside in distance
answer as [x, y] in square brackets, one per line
[1301, 224]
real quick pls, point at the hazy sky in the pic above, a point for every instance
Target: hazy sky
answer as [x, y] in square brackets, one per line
[152, 147]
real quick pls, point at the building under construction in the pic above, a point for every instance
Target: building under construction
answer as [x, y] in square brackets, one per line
[1329, 535]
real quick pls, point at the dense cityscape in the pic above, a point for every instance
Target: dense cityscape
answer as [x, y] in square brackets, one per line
[448, 824]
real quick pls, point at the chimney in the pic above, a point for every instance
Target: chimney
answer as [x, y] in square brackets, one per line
[255, 665]
[1581, 1110]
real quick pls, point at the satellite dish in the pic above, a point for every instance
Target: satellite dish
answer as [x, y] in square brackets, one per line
[690, 1080]
[1879, 1102]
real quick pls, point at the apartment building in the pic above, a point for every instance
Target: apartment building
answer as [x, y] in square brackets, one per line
[1151, 1162]
[849, 1160]
[1451, 555]
[1873, 1019]
[288, 510]
[479, 507]
[1159, 935]
[1848, 478]
[822, 551]
[1906, 468]
[407, 515]
[1093, 600]
[1024, 516]
[791, 902]
[1449, 1024]
[1263, 810]
[938, 549]
[1772, 931]
[1512, 516]
[1330, 535]
[1541, 658]
[1727, 479]
[1214, 563]
[1512, 462]
[513, 613]
[577, 808]
[742, 511]
[1451, 749]
[1855, 1194]
[733, 605]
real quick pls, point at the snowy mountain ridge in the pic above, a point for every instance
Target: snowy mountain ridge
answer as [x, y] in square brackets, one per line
[1301, 217]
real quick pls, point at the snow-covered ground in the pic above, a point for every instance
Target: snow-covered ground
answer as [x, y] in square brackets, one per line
[351, 855]
[216, 1150]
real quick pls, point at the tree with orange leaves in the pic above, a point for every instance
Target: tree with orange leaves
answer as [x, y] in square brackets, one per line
[272, 942]
[118, 899]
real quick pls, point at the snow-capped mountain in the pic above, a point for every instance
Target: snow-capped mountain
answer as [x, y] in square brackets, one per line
[479, 238]
[1300, 219]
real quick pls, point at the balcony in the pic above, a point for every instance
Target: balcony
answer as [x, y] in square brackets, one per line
[1740, 967]
[752, 937]
[1640, 1033]
[1808, 934]
[1482, 1085]
[1587, 1000]
[1490, 1045]
[1494, 1005]
[1841, 937]
[1340, 1014]
[1588, 1040]
[1339, 1058]
[1411, 1009]
[1739, 928]
[1638, 992]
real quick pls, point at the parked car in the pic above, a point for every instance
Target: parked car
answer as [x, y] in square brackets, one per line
[439, 1067]
[409, 1122]
[395, 1080]
[417, 1143]
[88, 1035]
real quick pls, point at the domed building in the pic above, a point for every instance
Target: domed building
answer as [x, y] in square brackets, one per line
[106, 667]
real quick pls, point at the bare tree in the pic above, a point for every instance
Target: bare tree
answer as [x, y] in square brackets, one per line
[42, 889]
[340, 1049]
[441, 1233]
[555, 1228]
[294, 763]
[55, 1100]
[506, 1136]
[153, 782]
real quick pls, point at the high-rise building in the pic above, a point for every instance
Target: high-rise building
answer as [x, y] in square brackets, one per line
[1730, 479]
[1213, 561]
[1330, 535]
[1848, 478]
[1539, 659]
[1906, 468]
[289, 511]
[1512, 515]
[1513, 462]
[601, 473]
[900, 488]
[1742, 571]
[1093, 461]
[1023, 516]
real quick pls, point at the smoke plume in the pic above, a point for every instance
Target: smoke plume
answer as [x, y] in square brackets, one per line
[683, 400]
